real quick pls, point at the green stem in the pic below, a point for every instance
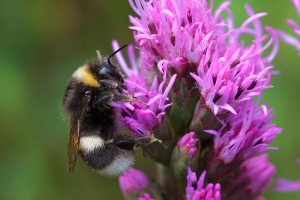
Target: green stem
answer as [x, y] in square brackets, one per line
[167, 181]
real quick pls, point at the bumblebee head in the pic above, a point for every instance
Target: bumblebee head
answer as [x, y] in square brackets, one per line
[98, 75]
[103, 69]
[100, 69]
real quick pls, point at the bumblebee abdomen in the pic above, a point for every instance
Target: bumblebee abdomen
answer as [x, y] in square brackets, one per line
[90, 143]
[119, 165]
[104, 157]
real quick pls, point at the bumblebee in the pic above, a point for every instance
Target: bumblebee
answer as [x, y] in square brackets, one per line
[93, 125]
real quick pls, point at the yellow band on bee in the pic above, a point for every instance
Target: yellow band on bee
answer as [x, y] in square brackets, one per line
[85, 75]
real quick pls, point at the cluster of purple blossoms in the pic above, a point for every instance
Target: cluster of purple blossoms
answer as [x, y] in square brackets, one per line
[210, 191]
[198, 79]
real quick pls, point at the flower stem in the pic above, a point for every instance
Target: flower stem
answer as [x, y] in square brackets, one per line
[165, 177]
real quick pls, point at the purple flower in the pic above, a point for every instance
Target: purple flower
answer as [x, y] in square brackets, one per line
[136, 185]
[183, 35]
[225, 87]
[133, 181]
[141, 119]
[254, 175]
[284, 185]
[245, 134]
[201, 190]
[195, 75]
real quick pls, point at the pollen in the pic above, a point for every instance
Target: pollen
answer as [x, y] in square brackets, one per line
[85, 75]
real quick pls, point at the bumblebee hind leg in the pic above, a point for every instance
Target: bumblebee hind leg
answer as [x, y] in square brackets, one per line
[131, 142]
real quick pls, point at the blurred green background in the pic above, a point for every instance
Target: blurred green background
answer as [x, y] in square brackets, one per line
[43, 42]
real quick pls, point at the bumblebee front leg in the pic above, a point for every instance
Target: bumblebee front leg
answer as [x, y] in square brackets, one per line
[126, 98]
[112, 85]
[105, 99]
[109, 83]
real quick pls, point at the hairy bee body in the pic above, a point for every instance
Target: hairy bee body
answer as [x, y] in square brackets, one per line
[93, 134]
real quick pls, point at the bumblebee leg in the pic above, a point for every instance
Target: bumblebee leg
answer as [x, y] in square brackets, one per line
[109, 83]
[113, 85]
[130, 142]
[126, 98]
[146, 140]
[120, 88]
[122, 98]
[104, 99]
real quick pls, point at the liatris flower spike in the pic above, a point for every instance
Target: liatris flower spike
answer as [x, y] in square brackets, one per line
[199, 81]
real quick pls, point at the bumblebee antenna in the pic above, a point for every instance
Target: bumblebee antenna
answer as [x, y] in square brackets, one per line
[114, 53]
[99, 54]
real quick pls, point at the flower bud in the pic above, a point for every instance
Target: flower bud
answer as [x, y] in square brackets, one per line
[184, 155]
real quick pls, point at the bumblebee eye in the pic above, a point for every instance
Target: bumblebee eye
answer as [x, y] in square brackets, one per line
[112, 73]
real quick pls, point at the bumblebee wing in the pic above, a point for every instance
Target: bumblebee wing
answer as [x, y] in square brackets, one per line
[73, 145]
[74, 137]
